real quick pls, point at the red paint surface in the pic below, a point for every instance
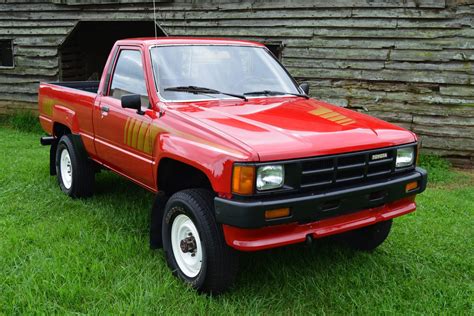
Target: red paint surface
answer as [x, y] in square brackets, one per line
[281, 235]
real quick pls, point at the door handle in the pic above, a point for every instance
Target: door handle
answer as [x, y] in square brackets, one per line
[104, 111]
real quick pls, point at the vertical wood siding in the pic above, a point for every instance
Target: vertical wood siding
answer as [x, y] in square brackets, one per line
[410, 62]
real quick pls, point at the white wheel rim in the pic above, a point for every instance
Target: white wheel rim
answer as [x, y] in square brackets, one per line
[189, 260]
[66, 168]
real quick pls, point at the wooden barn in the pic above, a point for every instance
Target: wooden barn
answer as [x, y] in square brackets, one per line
[410, 62]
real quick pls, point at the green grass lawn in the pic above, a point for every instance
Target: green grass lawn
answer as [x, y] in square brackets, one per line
[92, 256]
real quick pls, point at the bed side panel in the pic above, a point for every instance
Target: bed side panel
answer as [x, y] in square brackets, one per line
[70, 107]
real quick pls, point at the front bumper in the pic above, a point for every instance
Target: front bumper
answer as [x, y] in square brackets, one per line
[245, 239]
[318, 206]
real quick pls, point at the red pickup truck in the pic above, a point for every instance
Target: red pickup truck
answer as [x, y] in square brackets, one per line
[241, 159]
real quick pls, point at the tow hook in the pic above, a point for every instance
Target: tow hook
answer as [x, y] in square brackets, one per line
[188, 244]
[309, 240]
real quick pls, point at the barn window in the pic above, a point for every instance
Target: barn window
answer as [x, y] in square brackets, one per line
[276, 48]
[6, 54]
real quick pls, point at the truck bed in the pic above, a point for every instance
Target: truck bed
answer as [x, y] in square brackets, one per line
[89, 86]
[68, 103]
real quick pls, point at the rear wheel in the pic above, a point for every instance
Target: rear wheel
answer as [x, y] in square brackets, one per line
[194, 243]
[368, 238]
[75, 171]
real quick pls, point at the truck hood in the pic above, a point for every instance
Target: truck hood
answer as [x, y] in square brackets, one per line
[293, 127]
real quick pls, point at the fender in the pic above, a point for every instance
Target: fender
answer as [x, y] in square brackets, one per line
[67, 117]
[213, 159]
[178, 137]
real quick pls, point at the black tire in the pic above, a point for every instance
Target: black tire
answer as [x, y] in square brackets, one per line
[219, 261]
[368, 238]
[83, 175]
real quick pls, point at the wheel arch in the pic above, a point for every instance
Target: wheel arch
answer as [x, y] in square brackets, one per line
[174, 175]
[66, 117]
[59, 129]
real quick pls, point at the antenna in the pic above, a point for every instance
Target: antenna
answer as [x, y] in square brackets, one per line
[154, 18]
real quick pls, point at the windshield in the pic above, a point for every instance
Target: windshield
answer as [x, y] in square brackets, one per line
[228, 69]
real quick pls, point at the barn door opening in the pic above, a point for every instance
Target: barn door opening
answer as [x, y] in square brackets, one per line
[84, 52]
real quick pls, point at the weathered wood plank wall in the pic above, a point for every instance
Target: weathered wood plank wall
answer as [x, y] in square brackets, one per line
[407, 61]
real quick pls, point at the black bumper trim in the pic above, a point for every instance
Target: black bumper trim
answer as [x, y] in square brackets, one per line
[314, 207]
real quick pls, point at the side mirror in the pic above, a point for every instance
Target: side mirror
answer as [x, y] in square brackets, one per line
[132, 101]
[305, 87]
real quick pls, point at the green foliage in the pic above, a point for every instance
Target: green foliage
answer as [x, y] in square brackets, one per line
[65, 256]
[25, 121]
[439, 169]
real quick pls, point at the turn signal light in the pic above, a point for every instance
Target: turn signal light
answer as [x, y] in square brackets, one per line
[277, 213]
[411, 186]
[243, 180]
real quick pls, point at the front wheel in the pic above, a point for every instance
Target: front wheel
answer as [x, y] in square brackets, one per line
[368, 238]
[194, 243]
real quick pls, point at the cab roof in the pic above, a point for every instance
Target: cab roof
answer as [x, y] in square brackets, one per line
[150, 41]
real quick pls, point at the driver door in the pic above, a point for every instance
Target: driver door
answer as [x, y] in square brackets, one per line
[121, 141]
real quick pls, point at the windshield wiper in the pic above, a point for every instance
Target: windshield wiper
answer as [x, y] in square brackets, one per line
[271, 92]
[203, 90]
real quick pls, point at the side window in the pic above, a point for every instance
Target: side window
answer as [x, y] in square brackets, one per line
[128, 77]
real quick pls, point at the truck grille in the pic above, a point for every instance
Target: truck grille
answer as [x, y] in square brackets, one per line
[346, 169]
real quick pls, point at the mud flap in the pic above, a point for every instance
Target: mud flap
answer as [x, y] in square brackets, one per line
[52, 157]
[155, 221]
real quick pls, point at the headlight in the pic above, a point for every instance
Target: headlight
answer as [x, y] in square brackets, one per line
[270, 177]
[405, 157]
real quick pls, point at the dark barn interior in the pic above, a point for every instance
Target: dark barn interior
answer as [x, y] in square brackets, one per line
[84, 52]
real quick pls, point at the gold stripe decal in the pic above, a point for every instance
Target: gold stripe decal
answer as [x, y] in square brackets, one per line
[141, 136]
[125, 130]
[129, 132]
[46, 104]
[332, 116]
[136, 134]
[147, 145]
[136, 127]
